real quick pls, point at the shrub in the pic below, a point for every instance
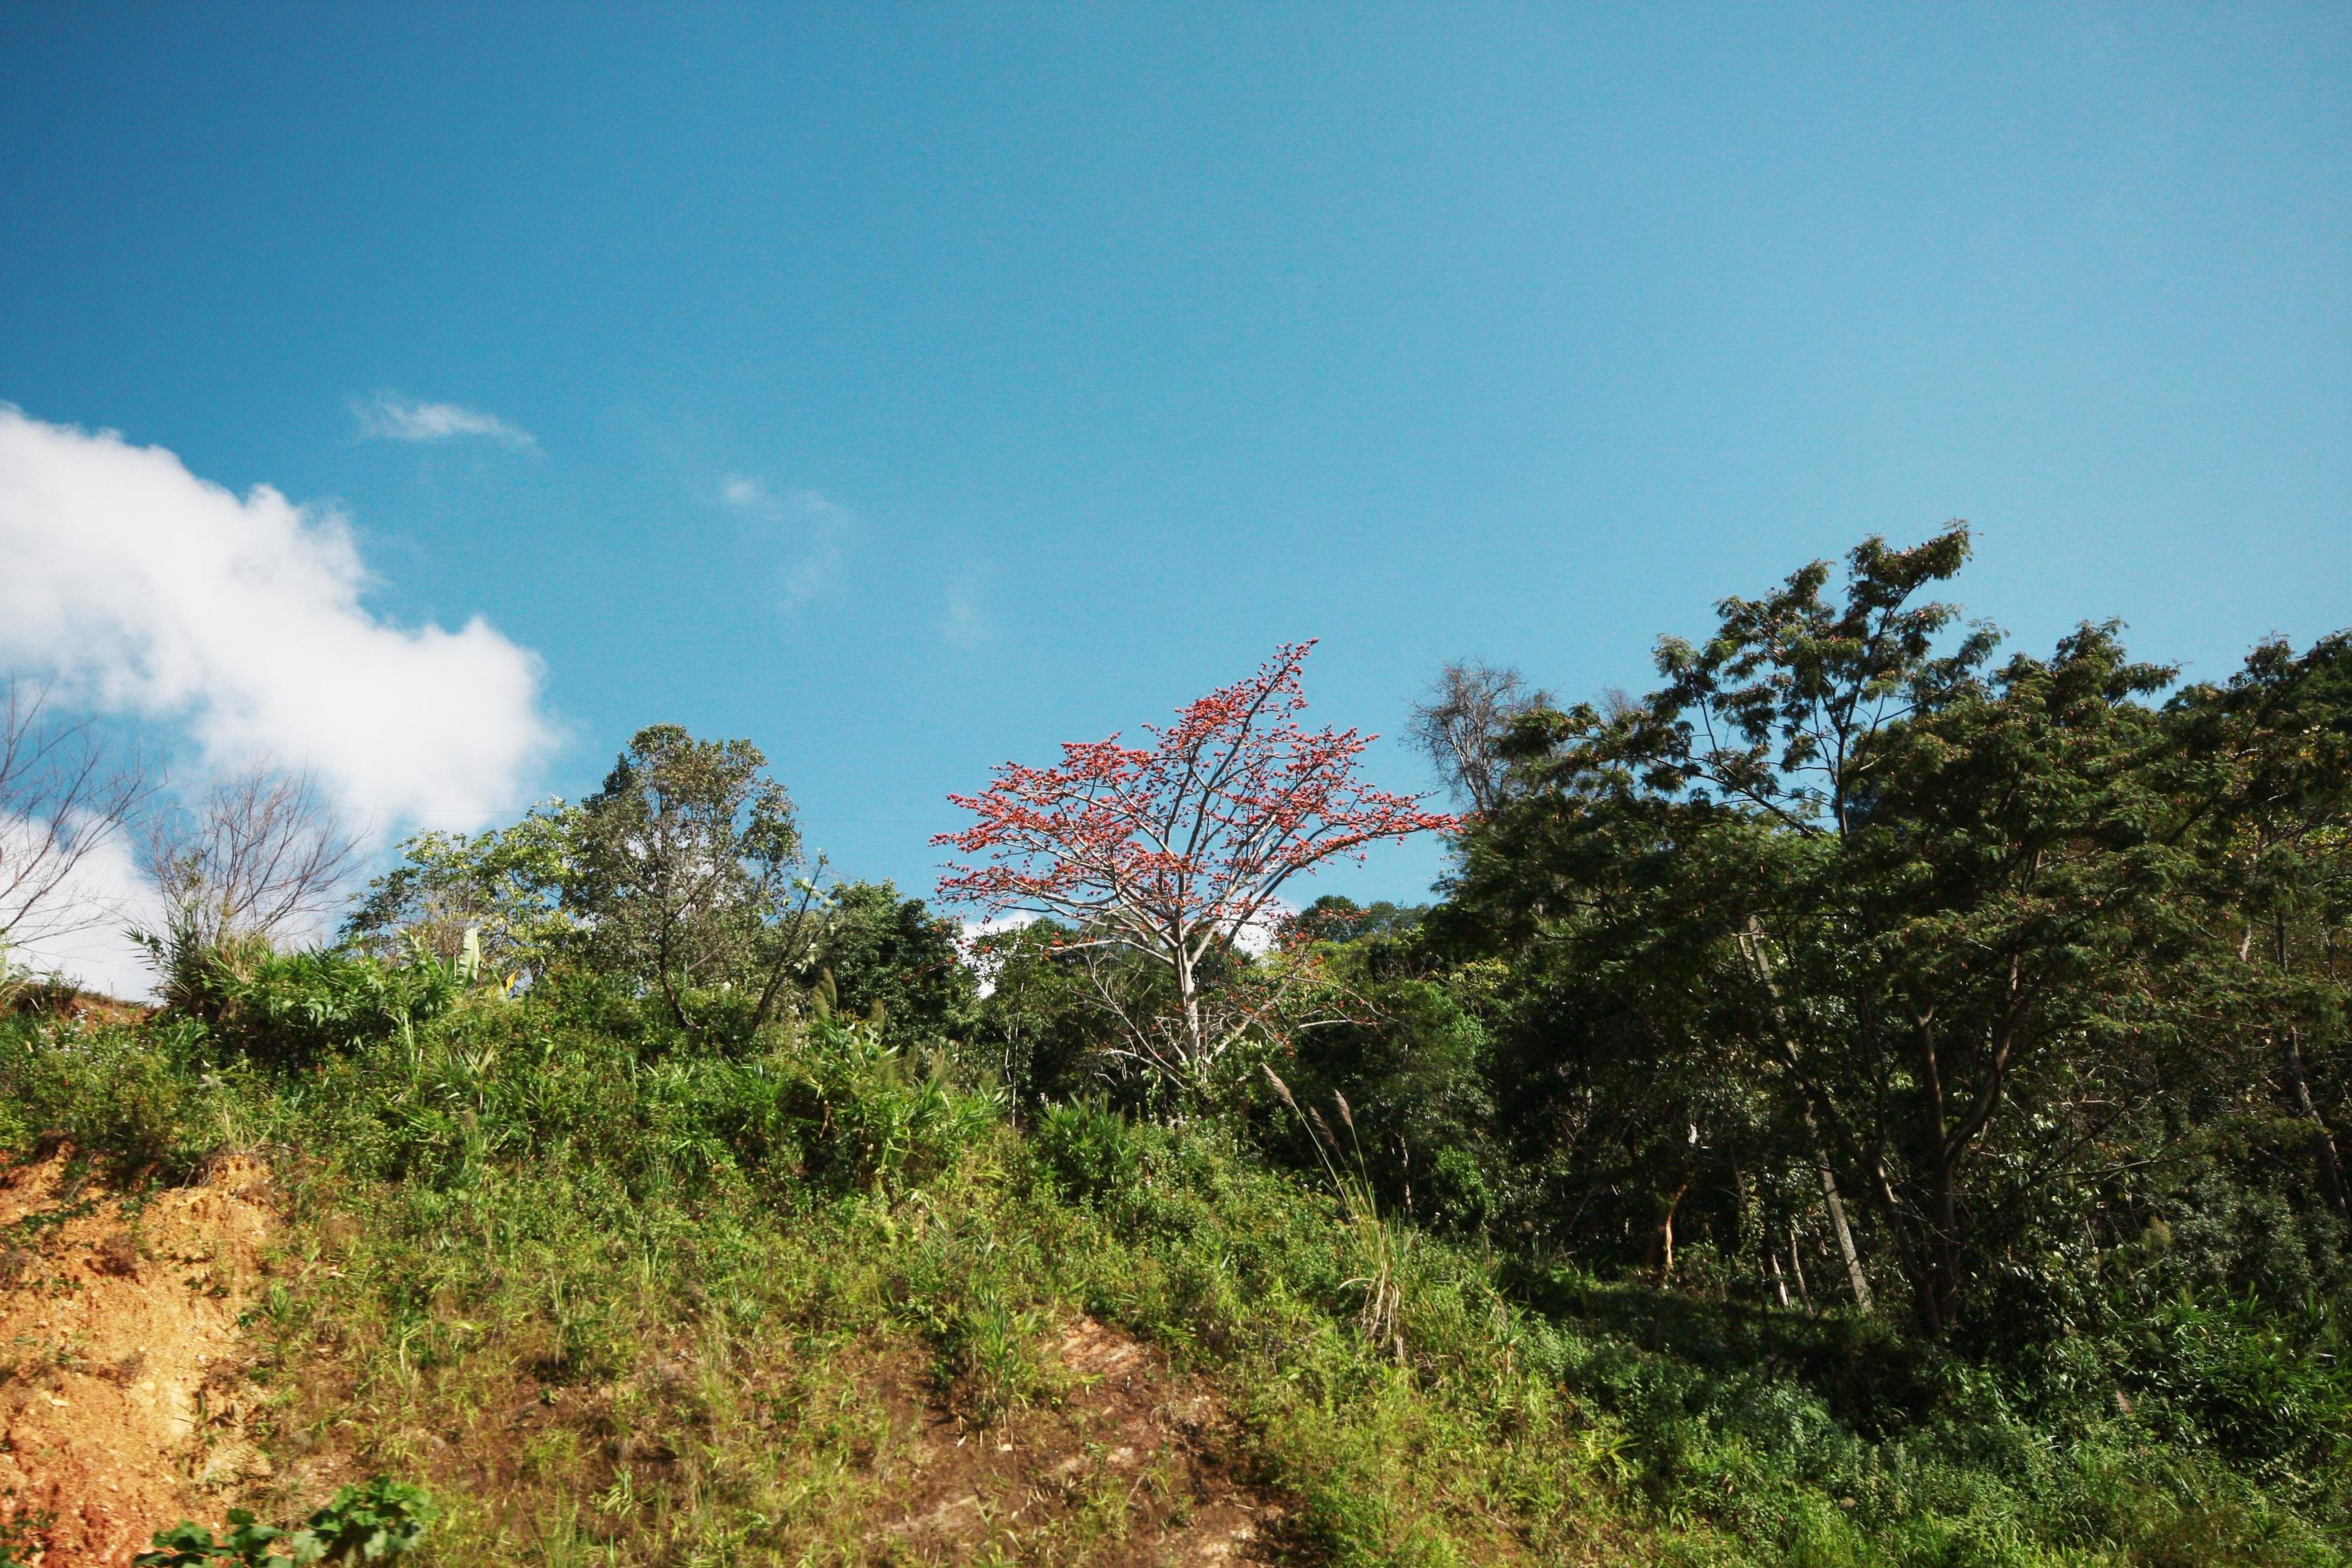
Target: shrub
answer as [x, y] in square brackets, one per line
[292, 1008]
[380, 1520]
[877, 1119]
[1089, 1149]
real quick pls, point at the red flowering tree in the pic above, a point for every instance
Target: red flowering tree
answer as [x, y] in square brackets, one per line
[1170, 850]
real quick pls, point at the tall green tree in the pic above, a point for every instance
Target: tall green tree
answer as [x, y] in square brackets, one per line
[1915, 897]
[688, 873]
[2268, 756]
[505, 884]
[892, 953]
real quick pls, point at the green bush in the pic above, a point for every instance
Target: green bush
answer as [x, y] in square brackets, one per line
[1090, 1148]
[294, 1007]
[143, 1100]
[373, 1522]
[2266, 1385]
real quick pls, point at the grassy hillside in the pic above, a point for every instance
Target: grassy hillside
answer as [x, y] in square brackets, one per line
[616, 1294]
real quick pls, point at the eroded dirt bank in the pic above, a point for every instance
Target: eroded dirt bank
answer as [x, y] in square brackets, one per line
[120, 1410]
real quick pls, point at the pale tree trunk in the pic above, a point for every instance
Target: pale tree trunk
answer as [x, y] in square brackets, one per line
[1661, 1239]
[1753, 946]
[1835, 1203]
[1188, 996]
[1796, 1267]
[2323, 1139]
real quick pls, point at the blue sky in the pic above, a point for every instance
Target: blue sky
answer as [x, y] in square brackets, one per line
[911, 389]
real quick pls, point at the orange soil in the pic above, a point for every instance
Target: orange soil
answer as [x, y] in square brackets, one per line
[121, 1395]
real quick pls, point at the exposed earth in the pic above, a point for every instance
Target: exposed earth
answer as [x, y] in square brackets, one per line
[122, 1404]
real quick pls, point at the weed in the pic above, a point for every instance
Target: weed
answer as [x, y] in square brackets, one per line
[380, 1520]
[987, 1358]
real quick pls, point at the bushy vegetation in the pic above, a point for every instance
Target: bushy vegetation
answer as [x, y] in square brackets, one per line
[1859, 1105]
[375, 1522]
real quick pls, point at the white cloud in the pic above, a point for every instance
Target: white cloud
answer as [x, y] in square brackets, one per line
[1258, 934]
[151, 592]
[746, 493]
[95, 911]
[388, 416]
[814, 531]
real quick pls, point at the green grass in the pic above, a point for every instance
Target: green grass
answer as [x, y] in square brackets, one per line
[616, 1301]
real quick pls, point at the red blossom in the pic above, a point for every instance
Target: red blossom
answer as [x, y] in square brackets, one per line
[1172, 847]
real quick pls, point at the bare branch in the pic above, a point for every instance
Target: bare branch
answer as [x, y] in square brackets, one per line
[258, 854]
[1458, 725]
[64, 795]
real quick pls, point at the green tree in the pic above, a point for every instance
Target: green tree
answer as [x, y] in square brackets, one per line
[2269, 755]
[688, 873]
[892, 953]
[1335, 916]
[1922, 899]
[506, 884]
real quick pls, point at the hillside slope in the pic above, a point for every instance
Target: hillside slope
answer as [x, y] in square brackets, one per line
[617, 1299]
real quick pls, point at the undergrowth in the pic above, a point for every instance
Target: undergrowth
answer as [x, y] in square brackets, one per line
[618, 1296]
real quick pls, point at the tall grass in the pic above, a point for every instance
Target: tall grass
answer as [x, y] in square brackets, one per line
[622, 1297]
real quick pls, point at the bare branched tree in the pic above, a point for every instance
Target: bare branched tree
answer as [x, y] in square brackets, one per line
[64, 795]
[261, 853]
[1269, 1002]
[1456, 726]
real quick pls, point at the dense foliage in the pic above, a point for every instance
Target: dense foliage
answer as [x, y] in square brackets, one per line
[1965, 978]
[1869, 1100]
